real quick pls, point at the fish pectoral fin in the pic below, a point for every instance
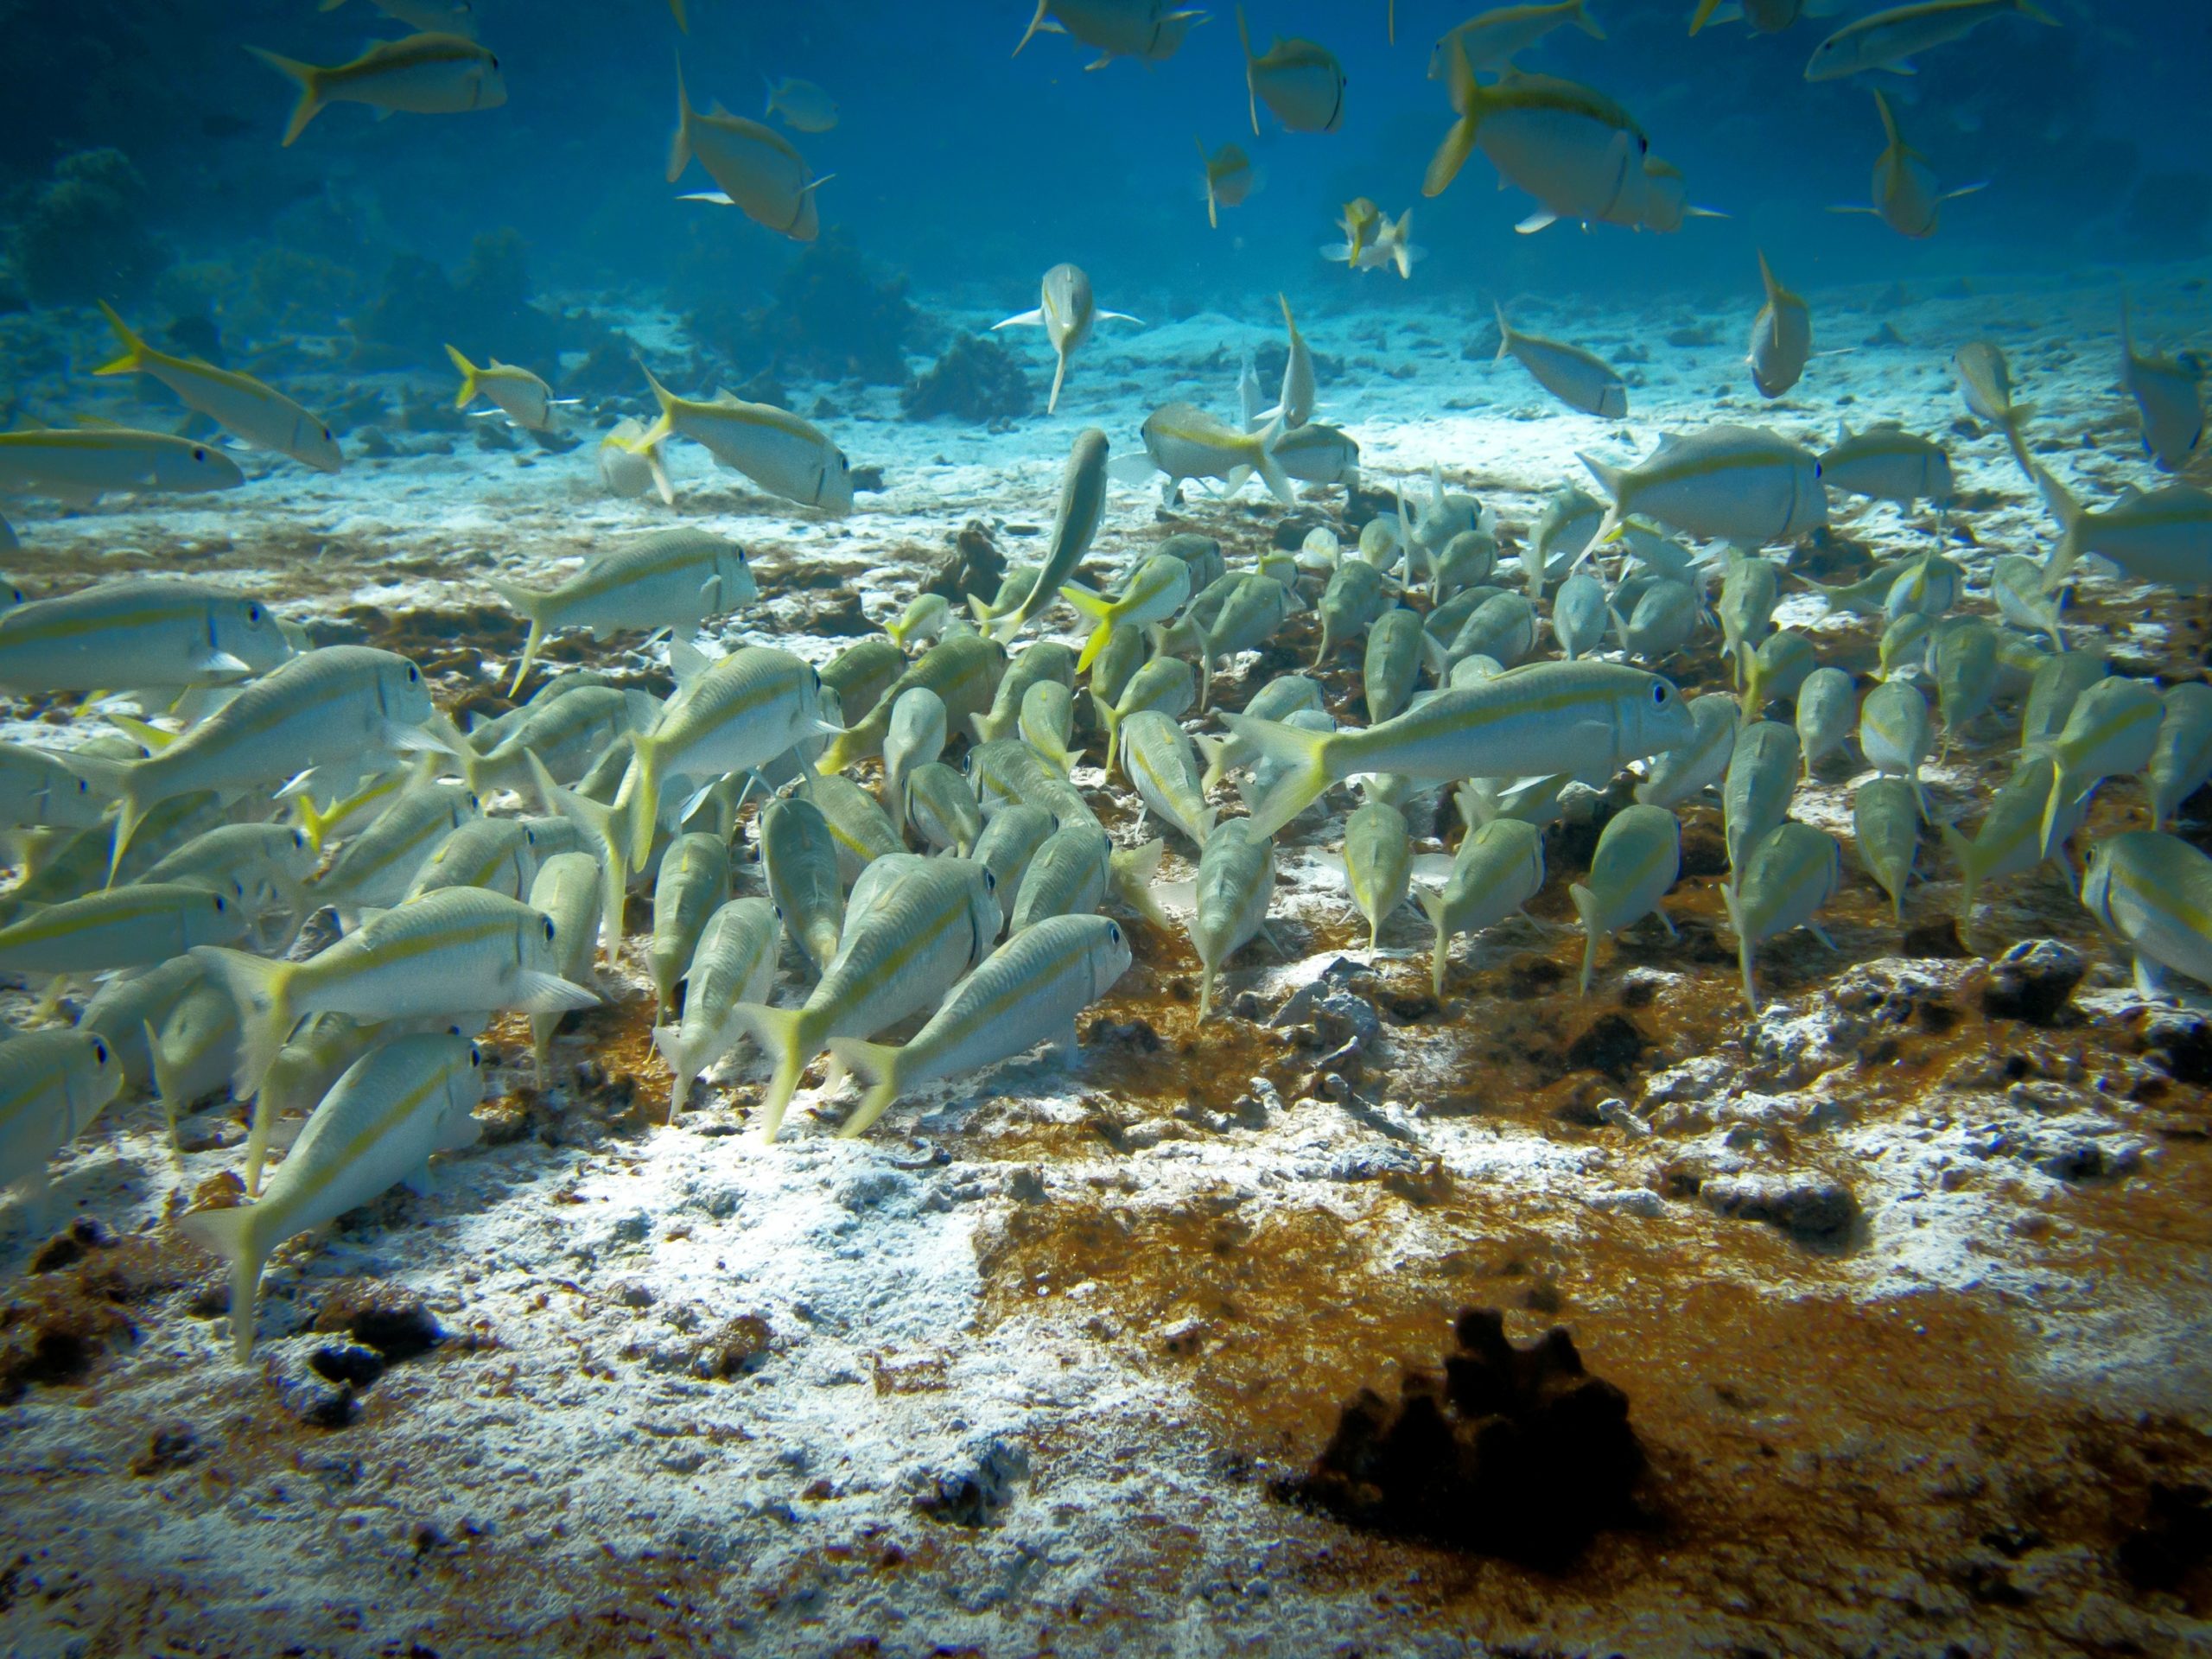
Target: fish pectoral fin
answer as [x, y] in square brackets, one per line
[417, 739]
[419, 1181]
[719, 198]
[1130, 469]
[1025, 319]
[539, 992]
[1539, 220]
[298, 785]
[222, 662]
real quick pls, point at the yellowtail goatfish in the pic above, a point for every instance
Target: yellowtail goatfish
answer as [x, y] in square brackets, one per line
[1229, 896]
[1082, 505]
[1154, 593]
[747, 710]
[1047, 659]
[2163, 536]
[2182, 760]
[1894, 734]
[1581, 379]
[757, 170]
[1300, 82]
[2169, 391]
[798, 855]
[784, 455]
[1492, 40]
[2112, 731]
[964, 671]
[1888, 40]
[1885, 825]
[1782, 335]
[53, 1084]
[519, 395]
[1588, 719]
[1377, 863]
[1887, 463]
[37, 789]
[735, 962]
[674, 579]
[1164, 684]
[1068, 875]
[1755, 796]
[1047, 720]
[1743, 485]
[2154, 891]
[1690, 767]
[498, 855]
[1185, 441]
[1007, 844]
[566, 736]
[925, 930]
[942, 809]
[1066, 311]
[422, 75]
[1028, 992]
[1230, 178]
[914, 738]
[567, 888]
[374, 868]
[377, 1126]
[123, 927]
[334, 710]
[1498, 868]
[2010, 837]
[78, 465]
[1790, 875]
[1161, 764]
[1573, 149]
[158, 633]
[1907, 197]
[460, 950]
[1986, 382]
[691, 883]
[237, 402]
[1639, 854]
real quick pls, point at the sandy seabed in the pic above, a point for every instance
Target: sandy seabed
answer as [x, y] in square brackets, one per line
[1909, 1296]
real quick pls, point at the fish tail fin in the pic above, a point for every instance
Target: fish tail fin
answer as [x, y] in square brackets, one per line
[680, 1061]
[638, 803]
[603, 830]
[2073, 525]
[1270, 469]
[1112, 722]
[230, 1234]
[1504, 332]
[1467, 100]
[315, 823]
[468, 376]
[1207, 973]
[169, 1088]
[263, 989]
[310, 81]
[1214, 751]
[1962, 855]
[664, 425]
[134, 349]
[1206, 166]
[1585, 906]
[1742, 944]
[1582, 19]
[876, 1066]
[1101, 610]
[1432, 905]
[2060, 794]
[1402, 250]
[1889, 121]
[679, 142]
[529, 604]
[781, 1036]
[1039, 23]
[1059, 379]
[1129, 874]
[1304, 756]
[1251, 85]
[1610, 477]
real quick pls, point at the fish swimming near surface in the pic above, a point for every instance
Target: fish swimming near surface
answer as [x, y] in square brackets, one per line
[1492, 40]
[240, 405]
[424, 74]
[1229, 179]
[1299, 81]
[1066, 312]
[1573, 149]
[1782, 336]
[1581, 379]
[755, 168]
[1906, 195]
[782, 454]
[1888, 40]
[1152, 30]
[802, 105]
[2169, 395]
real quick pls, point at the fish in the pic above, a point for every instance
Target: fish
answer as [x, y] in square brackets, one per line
[1776, 671]
[1185, 441]
[568, 887]
[1906, 194]
[333, 708]
[1886, 827]
[1152, 30]
[1492, 40]
[1573, 149]
[755, 168]
[374, 869]
[564, 735]
[627, 471]
[1743, 485]
[129, 1005]
[1028, 991]
[77, 466]
[1785, 880]
[1498, 868]
[942, 809]
[1887, 463]
[1066, 312]
[799, 856]
[1688, 768]
[1229, 177]
[1076, 519]
[1579, 379]
[1165, 683]
[1397, 646]
[1299, 81]
[1638, 857]
[1164, 769]
[1007, 845]
[1586, 718]
[864, 672]
[1962, 654]
[192, 1053]
[1295, 407]
[863, 832]
[1748, 594]
[2009, 839]
[1986, 382]
[1466, 561]
[2154, 892]
[422, 75]
[240, 405]
[1155, 592]
[2182, 759]
[395, 1107]
[161, 633]
[1047, 719]
[802, 105]
[924, 619]
[258, 867]
[1375, 241]
[1279, 698]
[2016, 583]
[1893, 732]
[2169, 395]
[1928, 584]
[1782, 336]
[784, 455]
[914, 738]
[1664, 617]
[133, 926]
[1560, 535]
[693, 883]
[923, 934]
[53, 1086]
[2112, 731]
[519, 395]
[746, 710]
[2056, 686]
[2162, 535]
[1888, 40]
[432, 17]
[1502, 628]
[964, 669]
[1377, 863]
[458, 950]
[1355, 597]
[1755, 794]
[734, 962]
[1231, 894]
[1904, 644]
[1532, 800]
[37, 789]
[1827, 709]
[1047, 659]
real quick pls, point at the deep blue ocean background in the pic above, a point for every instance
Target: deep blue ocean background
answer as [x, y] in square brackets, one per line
[969, 170]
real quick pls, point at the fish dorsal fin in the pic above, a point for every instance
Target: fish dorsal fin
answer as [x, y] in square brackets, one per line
[1668, 442]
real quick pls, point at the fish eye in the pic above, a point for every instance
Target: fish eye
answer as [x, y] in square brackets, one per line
[1113, 932]
[476, 1056]
[253, 611]
[1659, 694]
[549, 927]
[991, 881]
[495, 63]
[84, 788]
[221, 904]
[326, 434]
[413, 674]
[779, 912]
[298, 842]
[99, 1052]
[198, 454]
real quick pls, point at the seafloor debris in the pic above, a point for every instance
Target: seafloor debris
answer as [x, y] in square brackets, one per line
[1512, 1452]
[976, 380]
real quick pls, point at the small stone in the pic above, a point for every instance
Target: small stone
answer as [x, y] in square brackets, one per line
[972, 1493]
[169, 1448]
[1807, 1206]
[350, 1363]
[2032, 981]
